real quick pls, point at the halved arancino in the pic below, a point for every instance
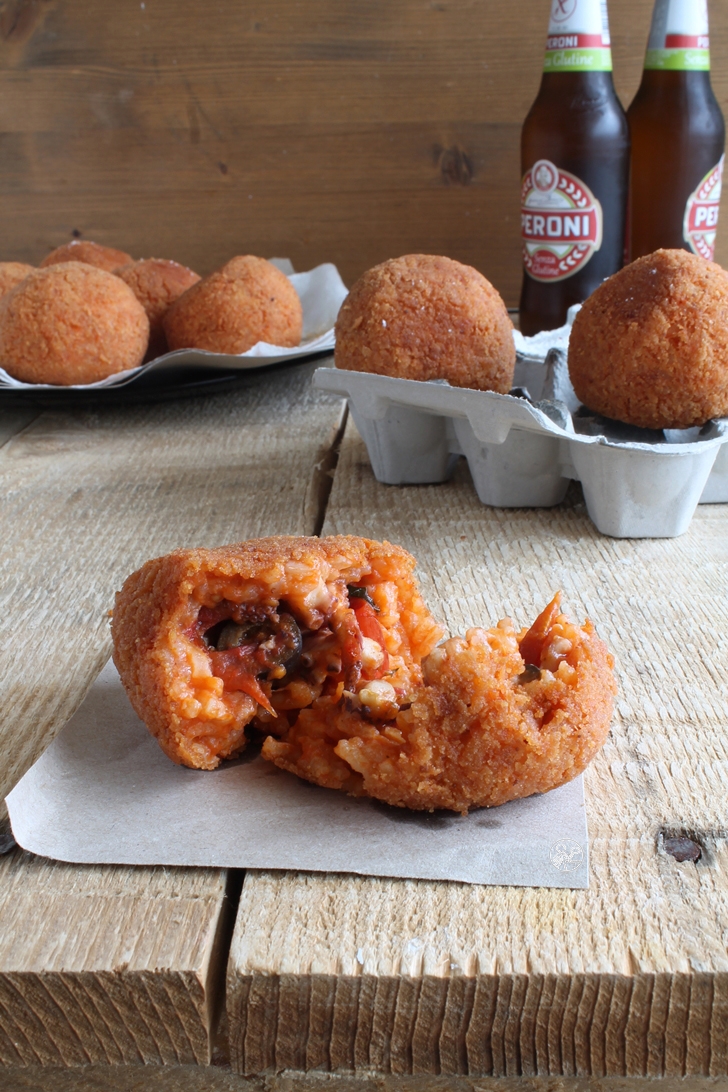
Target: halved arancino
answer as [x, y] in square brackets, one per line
[326, 649]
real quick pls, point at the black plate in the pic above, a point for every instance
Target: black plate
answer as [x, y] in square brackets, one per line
[188, 382]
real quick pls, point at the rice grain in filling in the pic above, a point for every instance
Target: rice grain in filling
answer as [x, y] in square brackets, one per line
[326, 648]
[198, 698]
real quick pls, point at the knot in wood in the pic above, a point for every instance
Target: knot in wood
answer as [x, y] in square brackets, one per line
[20, 18]
[454, 165]
[682, 848]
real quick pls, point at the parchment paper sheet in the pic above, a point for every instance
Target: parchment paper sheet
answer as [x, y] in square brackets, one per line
[105, 793]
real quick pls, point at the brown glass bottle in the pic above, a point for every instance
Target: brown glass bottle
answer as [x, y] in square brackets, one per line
[678, 137]
[577, 123]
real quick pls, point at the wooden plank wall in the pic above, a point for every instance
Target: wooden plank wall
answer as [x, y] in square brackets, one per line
[331, 130]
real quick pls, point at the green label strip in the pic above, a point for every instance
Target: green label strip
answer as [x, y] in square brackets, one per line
[679, 60]
[578, 60]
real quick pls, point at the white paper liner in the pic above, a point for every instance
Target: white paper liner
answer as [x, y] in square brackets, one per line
[104, 793]
[321, 291]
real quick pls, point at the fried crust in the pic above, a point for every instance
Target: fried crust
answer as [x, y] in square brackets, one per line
[485, 728]
[157, 283]
[84, 250]
[71, 323]
[424, 317]
[650, 345]
[12, 273]
[246, 301]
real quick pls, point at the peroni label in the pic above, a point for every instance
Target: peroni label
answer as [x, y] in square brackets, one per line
[561, 222]
[701, 213]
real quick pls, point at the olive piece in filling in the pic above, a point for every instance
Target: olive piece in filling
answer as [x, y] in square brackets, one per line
[288, 643]
[231, 635]
[279, 642]
[530, 674]
[357, 592]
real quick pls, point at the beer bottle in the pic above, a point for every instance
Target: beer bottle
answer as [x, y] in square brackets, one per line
[574, 164]
[678, 136]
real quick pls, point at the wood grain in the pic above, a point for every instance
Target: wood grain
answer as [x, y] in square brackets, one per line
[113, 965]
[89, 494]
[626, 979]
[96, 1078]
[322, 132]
[120, 965]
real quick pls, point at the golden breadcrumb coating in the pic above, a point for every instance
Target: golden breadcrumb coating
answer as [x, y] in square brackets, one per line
[247, 301]
[650, 345]
[325, 647]
[84, 250]
[427, 317]
[12, 273]
[157, 283]
[69, 324]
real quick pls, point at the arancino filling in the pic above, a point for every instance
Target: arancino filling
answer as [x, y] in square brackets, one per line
[284, 666]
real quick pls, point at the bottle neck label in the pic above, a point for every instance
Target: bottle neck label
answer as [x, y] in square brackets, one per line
[561, 222]
[679, 36]
[578, 39]
[701, 213]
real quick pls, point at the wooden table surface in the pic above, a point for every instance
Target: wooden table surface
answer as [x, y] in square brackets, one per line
[275, 980]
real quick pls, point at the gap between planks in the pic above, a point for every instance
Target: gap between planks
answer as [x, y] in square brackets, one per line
[219, 1078]
[322, 475]
[319, 491]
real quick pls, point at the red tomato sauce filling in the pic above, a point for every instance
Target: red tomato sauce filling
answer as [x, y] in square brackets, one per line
[263, 648]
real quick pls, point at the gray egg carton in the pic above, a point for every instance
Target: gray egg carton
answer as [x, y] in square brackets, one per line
[524, 448]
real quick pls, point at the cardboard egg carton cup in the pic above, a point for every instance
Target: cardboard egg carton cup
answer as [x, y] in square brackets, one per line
[524, 448]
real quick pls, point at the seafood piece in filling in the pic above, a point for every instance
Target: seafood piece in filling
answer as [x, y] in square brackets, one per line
[326, 648]
[212, 645]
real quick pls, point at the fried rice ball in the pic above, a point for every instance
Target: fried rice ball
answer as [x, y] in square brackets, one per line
[83, 250]
[157, 283]
[247, 301]
[71, 324]
[325, 648]
[12, 273]
[650, 346]
[427, 317]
